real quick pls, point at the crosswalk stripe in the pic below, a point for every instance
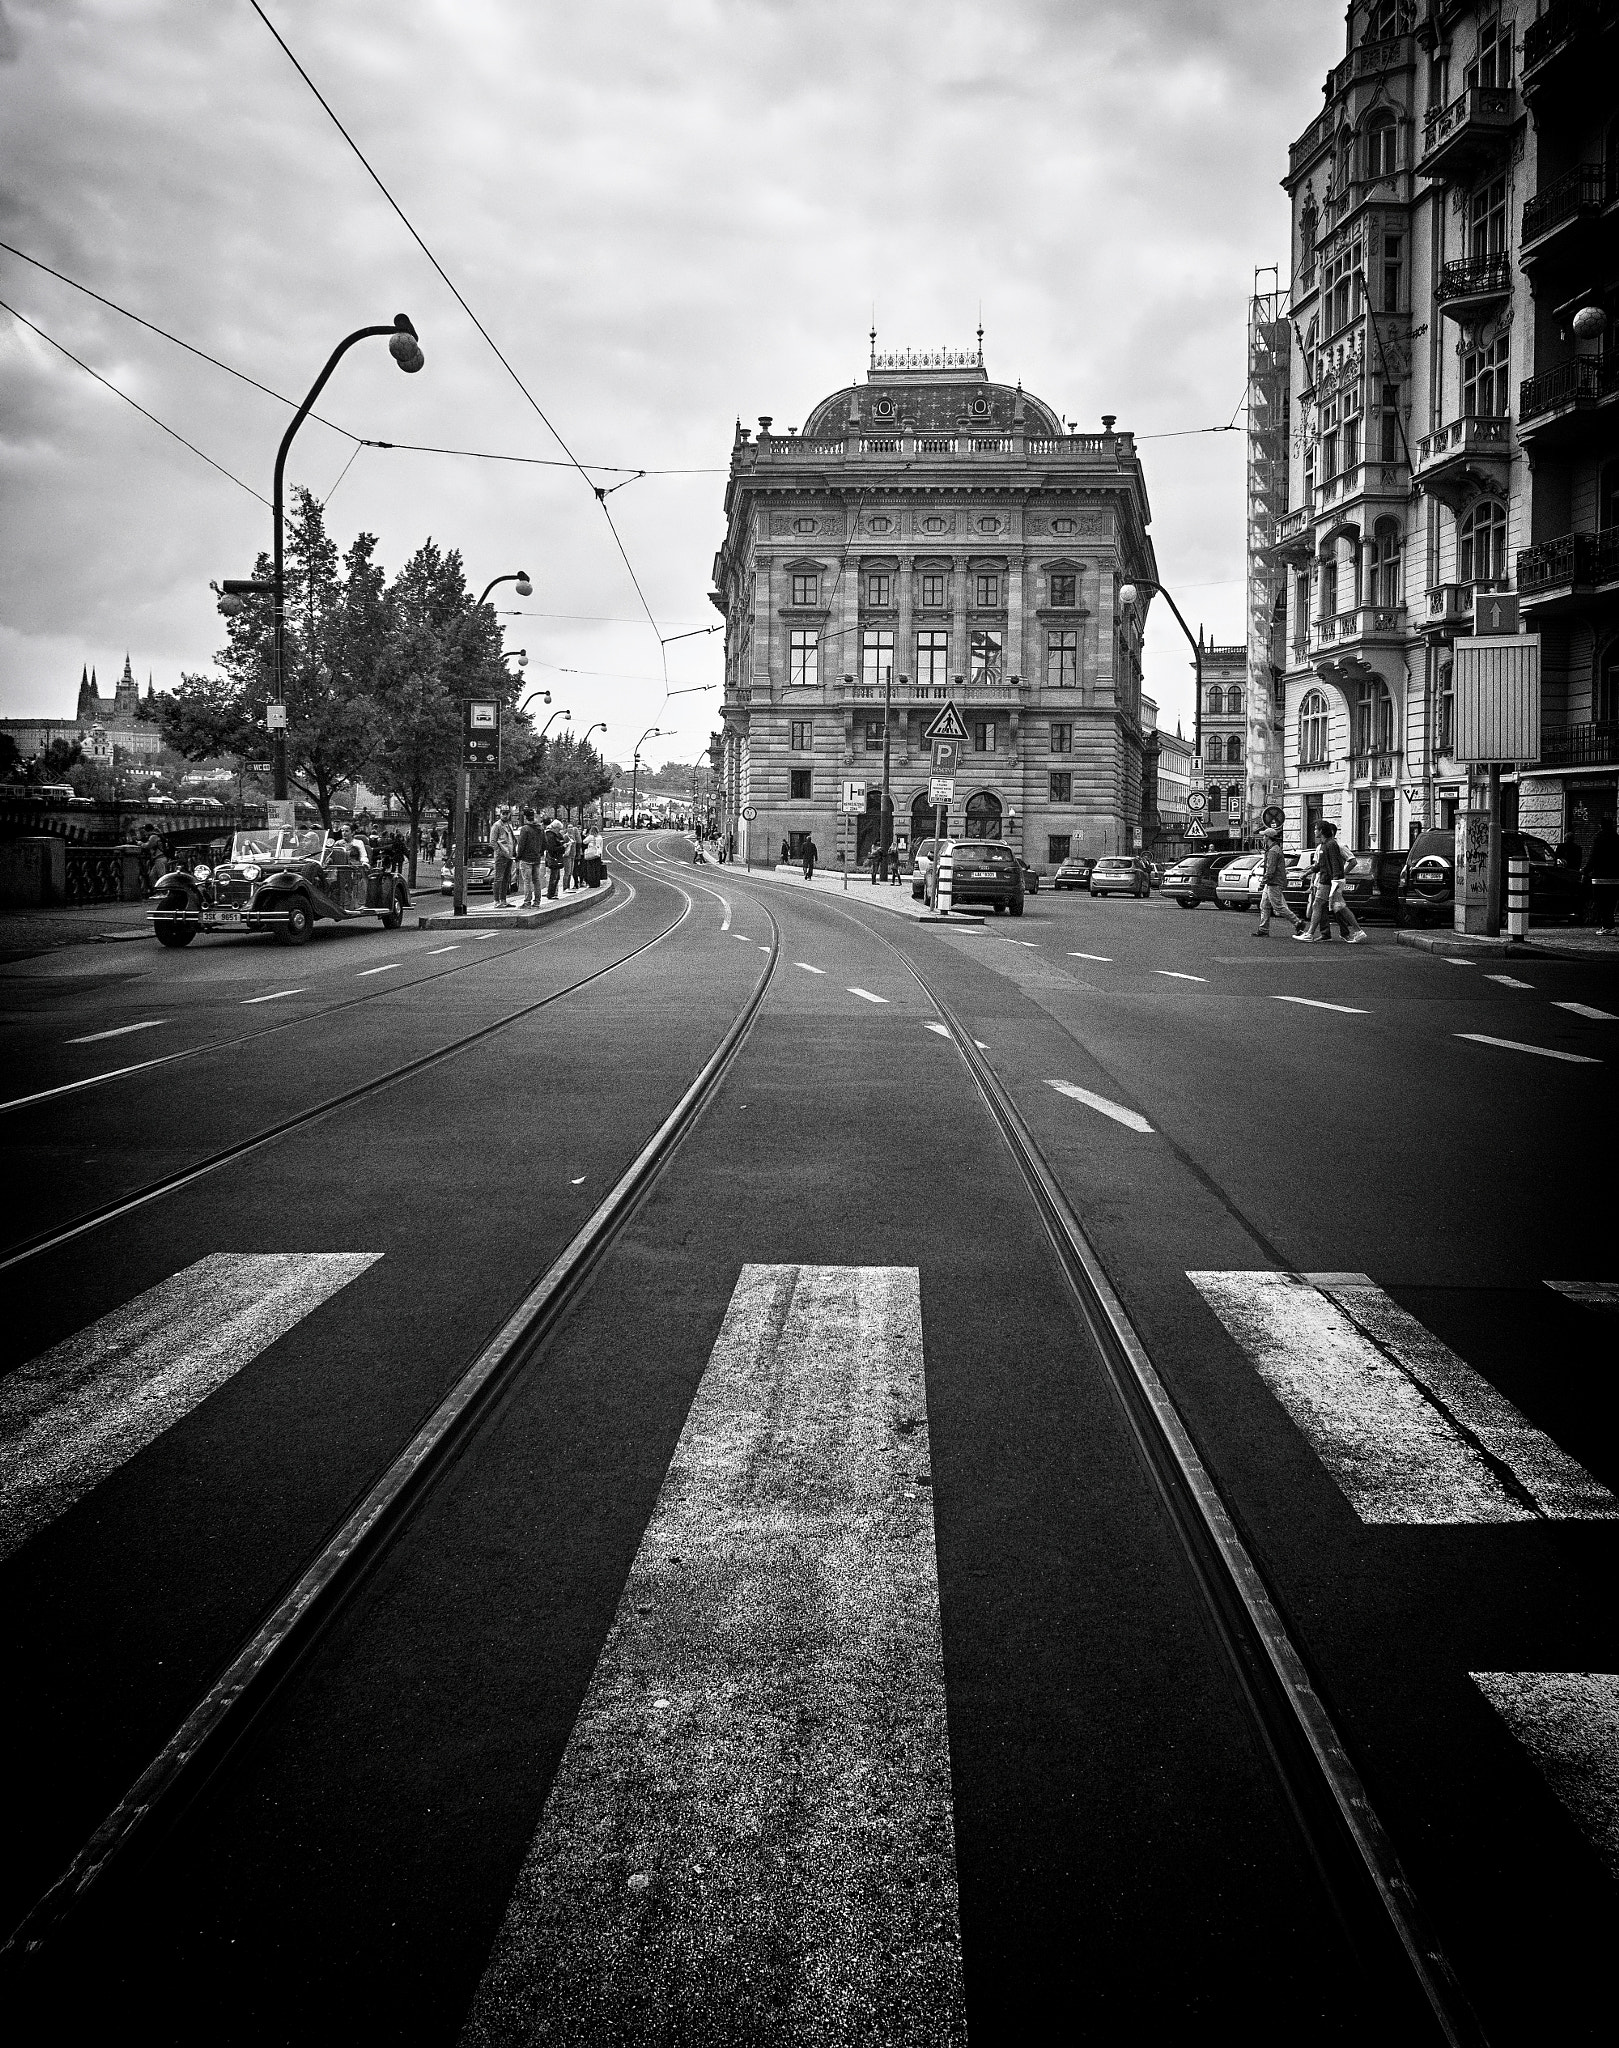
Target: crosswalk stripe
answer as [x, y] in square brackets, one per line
[1546, 1052]
[943, 1030]
[1568, 1721]
[750, 1834]
[1588, 1010]
[1591, 1293]
[1130, 1118]
[1509, 981]
[1406, 1428]
[70, 1417]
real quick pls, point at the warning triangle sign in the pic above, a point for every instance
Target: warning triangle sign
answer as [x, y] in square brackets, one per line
[948, 725]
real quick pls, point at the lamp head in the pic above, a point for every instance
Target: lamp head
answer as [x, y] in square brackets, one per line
[403, 346]
[1128, 595]
[1589, 322]
[524, 587]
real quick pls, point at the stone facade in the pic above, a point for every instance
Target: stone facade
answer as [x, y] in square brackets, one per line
[943, 536]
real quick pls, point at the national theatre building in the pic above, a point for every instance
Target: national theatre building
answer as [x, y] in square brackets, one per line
[946, 537]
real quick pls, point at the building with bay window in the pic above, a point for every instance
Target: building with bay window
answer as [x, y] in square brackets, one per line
[932, 536]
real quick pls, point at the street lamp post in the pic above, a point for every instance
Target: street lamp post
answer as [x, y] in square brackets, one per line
[599, 726]
[652, 732]
[1128, 594]
[406, 351]
[462, 804]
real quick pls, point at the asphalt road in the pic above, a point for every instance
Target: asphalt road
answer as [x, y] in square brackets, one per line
[800, 1649]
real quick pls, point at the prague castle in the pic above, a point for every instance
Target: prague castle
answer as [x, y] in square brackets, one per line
[102, 726]
[945, 538]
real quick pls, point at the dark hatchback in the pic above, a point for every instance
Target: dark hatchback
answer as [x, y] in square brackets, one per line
[1074, 873]
[1426, 891]
[1372, 883]
[984, 872]
[1191, 881]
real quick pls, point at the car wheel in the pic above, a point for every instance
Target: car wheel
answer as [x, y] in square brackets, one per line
[394, 916]
[999, 908]
[300, 922]
[175, 934]
[1016, 909]
[1187, 906]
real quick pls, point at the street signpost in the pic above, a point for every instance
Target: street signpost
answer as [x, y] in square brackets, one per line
[749, 813]
[1197, 764]
[854, 796]
[480, 748]
[1274, 816]
[1195, 832]
[1197, 802]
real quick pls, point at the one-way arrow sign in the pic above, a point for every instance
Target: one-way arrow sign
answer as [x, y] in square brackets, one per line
[1495, 612]
[948, 725]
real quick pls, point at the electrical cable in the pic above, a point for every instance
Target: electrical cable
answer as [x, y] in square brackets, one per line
[596, 490]
[124, 395]
[548, 462]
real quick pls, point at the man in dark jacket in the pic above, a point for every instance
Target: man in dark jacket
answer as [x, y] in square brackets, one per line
[556, 847]
[530, 852]
[811, 855]
[1602, 875]
[1272, 897]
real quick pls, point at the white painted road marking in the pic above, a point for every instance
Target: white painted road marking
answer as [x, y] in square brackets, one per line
[274, 997]
[1546, 1052]
[1407, 1429]
[1568, 1721]
[750, 1834]
[1590, 1293]
[982, 1047]
[942, 1029]
[866, 995]
[386, 968]
[1105, 958]
[807, 967]
[1450, 960]
[1173, 974]
[121, 1031]
[1585, 1010]
[1311, 1003]
[435, 951]
[1509, 981]
[1128, 1117]
[72, 1416]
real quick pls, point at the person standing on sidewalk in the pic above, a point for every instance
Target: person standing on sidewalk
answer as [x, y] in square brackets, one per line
[1272, 896]
[811, 855]
[555, 848]
[1602, 876]
[530, 852]
[504, 844]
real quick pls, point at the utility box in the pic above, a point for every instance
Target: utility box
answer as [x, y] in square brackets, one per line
[1472, 871]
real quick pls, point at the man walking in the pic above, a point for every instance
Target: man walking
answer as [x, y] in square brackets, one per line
[1272, 896]
[1602, 876]
[811, 855]
[1328, 903]
[504, 844]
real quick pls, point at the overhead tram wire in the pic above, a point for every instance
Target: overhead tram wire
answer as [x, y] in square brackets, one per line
[596, 490]
[124, 395]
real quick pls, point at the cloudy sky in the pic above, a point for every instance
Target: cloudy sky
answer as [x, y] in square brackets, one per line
[668, 216]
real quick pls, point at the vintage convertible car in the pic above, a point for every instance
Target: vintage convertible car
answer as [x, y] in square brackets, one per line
[279, 878]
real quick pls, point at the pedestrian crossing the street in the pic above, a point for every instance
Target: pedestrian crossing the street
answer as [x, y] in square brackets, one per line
[753, 1813]
[76, 1413]
[1407, 1429]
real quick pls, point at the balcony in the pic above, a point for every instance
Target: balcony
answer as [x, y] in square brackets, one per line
[1450, 607]
[1472, 286]
[1295, 535]
[1554, 409]
[1371, 60]
[1316, 138]
[1557, 35]
[1561, 575]
[1365, 622]
[1554, 216]
[1581, 746]
[1469, 454]
[1475, 127]
[1375, 764]
[1361, 480]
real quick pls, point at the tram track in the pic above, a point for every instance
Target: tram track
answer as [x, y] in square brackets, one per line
[220, 1719]
[1347, 1841]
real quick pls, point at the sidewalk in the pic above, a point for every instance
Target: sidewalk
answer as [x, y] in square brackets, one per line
[892, 896]
[505, 915]
[25, 933]
[1564, 942]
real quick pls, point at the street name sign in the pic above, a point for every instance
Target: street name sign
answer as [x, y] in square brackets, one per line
[948, 725]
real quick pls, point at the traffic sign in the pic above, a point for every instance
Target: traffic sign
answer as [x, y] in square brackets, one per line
[948, 725]
[1273, 814]
[1196, 801]
[1195, 831]
[946, 756]
[1197, 764]
[941, 789]
[1233, 806]
[483, 732]
[749, 812]
[275, 717]
[854, 796]
[1495, 611]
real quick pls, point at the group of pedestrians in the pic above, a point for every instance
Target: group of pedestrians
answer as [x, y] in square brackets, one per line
[524, 843]
[1327, 905]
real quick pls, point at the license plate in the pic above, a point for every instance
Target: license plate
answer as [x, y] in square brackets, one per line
[227, 917]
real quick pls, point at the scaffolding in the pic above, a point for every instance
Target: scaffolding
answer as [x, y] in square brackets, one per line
[1270, 336]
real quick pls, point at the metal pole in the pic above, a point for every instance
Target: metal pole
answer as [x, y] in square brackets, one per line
[1492, 887]
[885, 835]
[460, 805]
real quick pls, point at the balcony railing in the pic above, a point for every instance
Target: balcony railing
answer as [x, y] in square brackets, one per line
[1581, 191]
[1314, 139]
[1371, 60]
[1375, 764]
[1472, 278]
[1452, 603]
[1366, 621]
[1474, 434]
[1583, 378]
[1476, 121]
[1555, 31]
[1581, 746]
[1574, 561]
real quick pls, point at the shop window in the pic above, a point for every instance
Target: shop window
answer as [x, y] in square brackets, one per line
[1058, 847]
[806, 588]
[803, 658]
[1062, 786]
[1063, 587]
[802, 736]
[801, 784]
[932, 658]
[1062, 661]
[1062, 739]
[984, 736]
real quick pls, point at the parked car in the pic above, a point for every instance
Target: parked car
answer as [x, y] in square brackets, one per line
[1155, 872]
[983, 871]
[1074, 872]
[923, 855]
[1426, 890]
[1192, 881]
[1120, 874]
[1372, 883]
[1239, 882]
[480, 870]
[278, 878]
[1031, 876]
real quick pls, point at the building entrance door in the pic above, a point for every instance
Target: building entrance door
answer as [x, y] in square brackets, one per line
[1385, 822]
[922, 819]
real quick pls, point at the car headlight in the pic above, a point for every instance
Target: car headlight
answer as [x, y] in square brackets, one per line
[251, 874]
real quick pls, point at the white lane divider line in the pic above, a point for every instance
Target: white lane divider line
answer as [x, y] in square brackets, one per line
[483, 935]
[119, 1031]
[1589, 1293]
[386, 968]
[1546, 1052]
[807, 967]
[1568, 1721]
[1174, 974]
[1313, 1003]
[773, 1677]
[1407, 1429]
[1509, 981]
[435, 951]
[942, 1030]
[1450, 960]
[763, 948]
[73, 1415]
[982, 1047]
[274, 996]
[866, 995]
[1128, 1117]
[1586, 1010]
[1105, 958]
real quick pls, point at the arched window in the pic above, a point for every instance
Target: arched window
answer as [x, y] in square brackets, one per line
[1481, 543]
[1216, 797]
[924, 816]
[1385, 564]
[1382, 138]
[1313, 730]
[1233, 700]
[1216, 702]
[983, 816]
[1233, 749]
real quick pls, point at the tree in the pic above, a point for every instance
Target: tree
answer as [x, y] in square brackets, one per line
[57, 760]
[572, 775]
[10, 758]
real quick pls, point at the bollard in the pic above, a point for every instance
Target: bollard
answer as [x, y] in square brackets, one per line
[947, 874]
[1517, 897]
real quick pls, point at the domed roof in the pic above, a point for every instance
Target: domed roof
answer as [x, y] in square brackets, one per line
[932, 400]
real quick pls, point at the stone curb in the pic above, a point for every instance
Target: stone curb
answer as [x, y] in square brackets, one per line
[518, 920]
[1543, 946]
